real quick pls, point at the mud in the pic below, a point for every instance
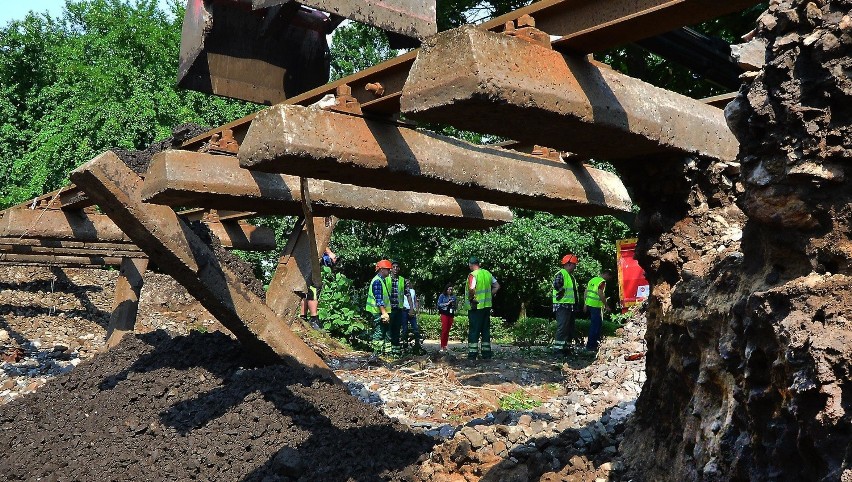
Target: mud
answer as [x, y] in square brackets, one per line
[185, 408]
[750, 346]
[138, 161]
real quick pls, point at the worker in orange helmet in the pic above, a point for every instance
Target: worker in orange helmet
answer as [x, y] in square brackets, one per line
[378, 305]
[565, 298]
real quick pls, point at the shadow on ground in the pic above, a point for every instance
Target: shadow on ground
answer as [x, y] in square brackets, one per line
[166, 408]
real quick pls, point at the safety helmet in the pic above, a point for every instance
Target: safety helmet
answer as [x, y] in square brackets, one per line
[383, 264]
[569, 258]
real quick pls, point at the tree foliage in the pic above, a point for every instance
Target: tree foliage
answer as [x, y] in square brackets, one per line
[101, 75]
[524, 255]
[642, 64]
[355, 47]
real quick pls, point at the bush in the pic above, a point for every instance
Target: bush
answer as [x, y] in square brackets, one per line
[533, 332]
[607, 328]
[338, 310]
[430, 328]
[528, 332]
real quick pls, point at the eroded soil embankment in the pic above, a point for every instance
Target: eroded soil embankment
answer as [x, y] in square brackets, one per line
[750, 341]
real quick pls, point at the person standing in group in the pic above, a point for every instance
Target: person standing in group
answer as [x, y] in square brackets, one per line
[409, 324]
[481, 287]
[447, 309]
[398, 290]
[596, 307]
[565, 297]
[378, 299]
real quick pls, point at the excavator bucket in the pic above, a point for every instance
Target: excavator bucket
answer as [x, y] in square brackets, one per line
[258, 55]
[414, 19]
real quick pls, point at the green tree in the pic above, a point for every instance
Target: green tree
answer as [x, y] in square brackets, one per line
[101, 75]
[524, 255]
[355, 47]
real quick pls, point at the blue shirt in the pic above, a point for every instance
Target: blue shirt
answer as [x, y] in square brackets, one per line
[446, 303]
[377, 293]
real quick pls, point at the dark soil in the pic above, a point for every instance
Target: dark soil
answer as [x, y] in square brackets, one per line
[230, 260]
[138, 160]
[161, 408]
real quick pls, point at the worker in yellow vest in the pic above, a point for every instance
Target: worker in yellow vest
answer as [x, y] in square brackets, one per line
[398, 290]
[565, 298]
[481, 286]
[596, 307]
[378, 305]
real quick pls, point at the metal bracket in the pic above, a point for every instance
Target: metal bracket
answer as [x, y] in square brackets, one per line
[524, 29]
[210, 216]
[344, 101]
[224, 144]
[375, 88]
[547, 153]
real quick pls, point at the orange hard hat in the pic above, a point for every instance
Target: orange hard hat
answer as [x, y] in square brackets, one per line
[383, 264]
[569, 258]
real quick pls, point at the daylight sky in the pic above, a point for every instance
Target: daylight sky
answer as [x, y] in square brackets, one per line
[17, 9]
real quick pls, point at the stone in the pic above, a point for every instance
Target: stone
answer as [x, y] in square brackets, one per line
[476, 439]
[523, 451]
[4, 336]
[500, 448]
[447, 431]
[461, 452]
[288, 462]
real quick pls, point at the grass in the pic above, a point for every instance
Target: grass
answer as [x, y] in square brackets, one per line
[519, 400]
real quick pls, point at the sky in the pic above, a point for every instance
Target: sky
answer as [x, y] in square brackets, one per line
[17, 9]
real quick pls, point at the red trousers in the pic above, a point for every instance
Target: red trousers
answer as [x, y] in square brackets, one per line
[446, 324]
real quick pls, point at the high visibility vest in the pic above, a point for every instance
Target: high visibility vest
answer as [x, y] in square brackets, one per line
[371, 298]
[400, 290]
[567, 289]
[483, 288]
[593, 300]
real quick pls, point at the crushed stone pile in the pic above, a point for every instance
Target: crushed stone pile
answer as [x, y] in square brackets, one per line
[192, 408]
[573, 435]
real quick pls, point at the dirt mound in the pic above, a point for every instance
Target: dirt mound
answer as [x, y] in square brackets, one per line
[138, 160]
[237, 265]
[161, 408]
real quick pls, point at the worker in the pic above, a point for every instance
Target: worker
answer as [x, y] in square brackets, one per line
[398, 290]
[596, 307]
[378, 299]
[410, 329]
[564, 300]
[482, 286]
[310, 298]
[310, 304]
